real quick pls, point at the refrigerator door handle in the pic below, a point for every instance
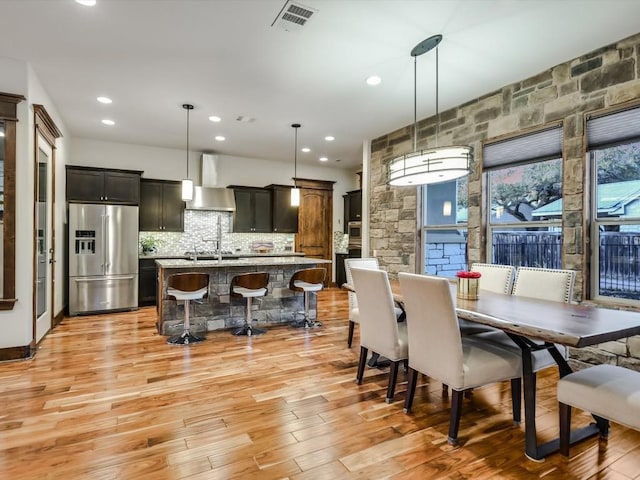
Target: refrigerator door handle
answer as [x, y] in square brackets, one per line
[104, 270]
[100, 279]
[107, 252]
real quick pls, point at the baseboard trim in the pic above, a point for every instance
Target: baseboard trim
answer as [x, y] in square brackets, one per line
[58, 318]
[17, 353]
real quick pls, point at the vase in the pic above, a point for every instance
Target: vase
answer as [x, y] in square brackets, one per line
[468, 288]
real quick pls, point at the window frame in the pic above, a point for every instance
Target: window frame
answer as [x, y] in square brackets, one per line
[596, 223]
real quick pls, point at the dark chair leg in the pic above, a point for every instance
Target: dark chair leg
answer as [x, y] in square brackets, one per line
[516, 399]
[411, 389]
[565, 428]
[364, 351]
[352, 324]
[603, 427]
[406, 365]
[393, 378]
[456, 412]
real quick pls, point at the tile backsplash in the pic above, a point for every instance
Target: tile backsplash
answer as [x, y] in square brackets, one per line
[200, 229]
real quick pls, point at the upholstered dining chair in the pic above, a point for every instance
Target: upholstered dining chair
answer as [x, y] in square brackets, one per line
[495, 278]
[437, 348]
[379, 329]
[354, 313]
[542, 284]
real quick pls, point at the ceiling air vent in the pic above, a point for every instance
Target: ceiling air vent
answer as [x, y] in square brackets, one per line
[293, 16]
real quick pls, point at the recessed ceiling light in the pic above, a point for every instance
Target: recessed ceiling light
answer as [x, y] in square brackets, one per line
[86, 3]
[105, 100]
[214, 118]
[374, 80]
[108, 122]
[220, 138]
[329, 138]
[306, 149]
[323, 159]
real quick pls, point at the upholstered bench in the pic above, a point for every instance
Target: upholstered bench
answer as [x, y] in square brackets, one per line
[606, 391]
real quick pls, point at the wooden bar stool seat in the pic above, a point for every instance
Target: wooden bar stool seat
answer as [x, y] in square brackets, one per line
[307, 280]
[249, 286]
[186, 287]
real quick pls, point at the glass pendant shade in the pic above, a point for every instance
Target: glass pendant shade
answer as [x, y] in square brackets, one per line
[187, 190]
[295, 197]
[435, 165]
[430, 166]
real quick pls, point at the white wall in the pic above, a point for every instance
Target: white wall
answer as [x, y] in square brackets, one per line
[18, 78]
[169, 164]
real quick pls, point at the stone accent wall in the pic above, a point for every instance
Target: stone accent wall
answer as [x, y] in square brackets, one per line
[606, 77]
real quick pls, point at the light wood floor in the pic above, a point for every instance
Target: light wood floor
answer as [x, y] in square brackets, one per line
[106, 397]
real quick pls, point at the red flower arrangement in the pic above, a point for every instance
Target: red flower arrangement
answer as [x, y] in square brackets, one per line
[464, 274]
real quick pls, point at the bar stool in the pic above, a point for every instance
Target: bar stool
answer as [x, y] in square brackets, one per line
[249, 286]
[186, 287]
[307, 281]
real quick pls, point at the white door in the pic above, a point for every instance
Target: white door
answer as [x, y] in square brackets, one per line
[43, 243]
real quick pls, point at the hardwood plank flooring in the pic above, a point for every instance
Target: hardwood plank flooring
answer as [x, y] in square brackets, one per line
[106, 398]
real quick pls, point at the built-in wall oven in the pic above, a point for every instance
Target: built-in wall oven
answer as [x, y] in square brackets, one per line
[354, 229]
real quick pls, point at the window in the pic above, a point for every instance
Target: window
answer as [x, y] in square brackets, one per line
[524, 197]
[615, 230]
[445, 228]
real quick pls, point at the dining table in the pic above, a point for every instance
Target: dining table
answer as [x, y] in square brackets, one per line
[536, 325]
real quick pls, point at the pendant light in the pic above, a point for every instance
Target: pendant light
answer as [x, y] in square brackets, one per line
[295, 191]
[433, 165]
[187, 183]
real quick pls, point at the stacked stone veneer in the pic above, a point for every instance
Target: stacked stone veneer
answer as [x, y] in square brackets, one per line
[221, 311]
[607, 77]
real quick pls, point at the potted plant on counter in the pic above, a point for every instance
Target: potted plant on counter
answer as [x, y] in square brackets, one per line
[149, 245]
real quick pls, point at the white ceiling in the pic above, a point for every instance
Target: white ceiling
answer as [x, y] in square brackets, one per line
[151, 56]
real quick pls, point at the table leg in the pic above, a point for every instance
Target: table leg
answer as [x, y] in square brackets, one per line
[533, 450]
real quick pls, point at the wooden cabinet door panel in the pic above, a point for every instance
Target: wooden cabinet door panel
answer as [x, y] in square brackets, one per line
[285, 217]
[122, 187]
[172, 207]
[150, 206]
[262, 211]
[243, 216]
[84, 185]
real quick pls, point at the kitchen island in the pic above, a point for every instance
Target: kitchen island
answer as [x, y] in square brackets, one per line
[220, 311]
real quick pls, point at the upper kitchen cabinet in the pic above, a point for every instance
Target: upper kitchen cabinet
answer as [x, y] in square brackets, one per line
[161, 206]
[253, 210]
[352, 207]
[285, 217]
[100, 185]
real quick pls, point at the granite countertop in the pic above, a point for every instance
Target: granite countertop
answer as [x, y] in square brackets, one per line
[248, 261]
[158, 256]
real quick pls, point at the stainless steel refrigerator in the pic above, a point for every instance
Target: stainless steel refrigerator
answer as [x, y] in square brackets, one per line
[103, 258]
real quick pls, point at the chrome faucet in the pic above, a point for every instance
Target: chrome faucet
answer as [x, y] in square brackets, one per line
[194, 256]
[217, 240]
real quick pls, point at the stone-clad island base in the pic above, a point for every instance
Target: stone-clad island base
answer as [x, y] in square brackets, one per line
[220, 311]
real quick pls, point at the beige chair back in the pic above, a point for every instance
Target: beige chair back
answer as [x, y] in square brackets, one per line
[495, 278]
[435, 344]
[370, 263]
[544, 284]
[379, 329]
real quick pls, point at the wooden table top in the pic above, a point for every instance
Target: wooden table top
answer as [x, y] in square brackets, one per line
[567, 324]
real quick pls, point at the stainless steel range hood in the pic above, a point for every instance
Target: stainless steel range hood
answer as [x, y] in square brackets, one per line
[212, 198]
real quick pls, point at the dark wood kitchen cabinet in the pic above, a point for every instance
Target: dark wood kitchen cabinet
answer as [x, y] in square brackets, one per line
[285, 217]
[253, 210]
[147, 279]
[101, 185]
[161, 206]
[353, 206]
